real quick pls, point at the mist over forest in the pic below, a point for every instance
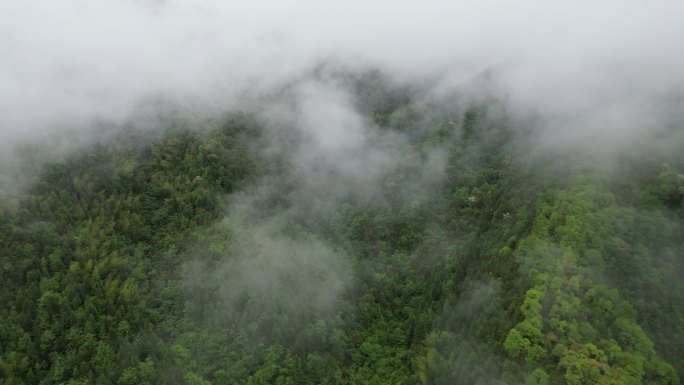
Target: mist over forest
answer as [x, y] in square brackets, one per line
[202, 192]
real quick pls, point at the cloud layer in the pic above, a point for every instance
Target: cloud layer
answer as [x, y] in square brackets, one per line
[67, 62]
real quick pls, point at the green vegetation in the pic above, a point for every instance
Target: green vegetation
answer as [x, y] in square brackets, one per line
[125, 263]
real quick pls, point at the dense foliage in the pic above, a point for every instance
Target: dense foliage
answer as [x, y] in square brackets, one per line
[125, 263]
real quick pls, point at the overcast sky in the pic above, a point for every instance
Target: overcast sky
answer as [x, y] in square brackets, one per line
[67, 62]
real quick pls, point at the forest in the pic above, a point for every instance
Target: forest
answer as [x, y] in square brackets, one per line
[439, 243]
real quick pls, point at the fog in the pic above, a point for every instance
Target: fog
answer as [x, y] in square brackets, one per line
[584, 66]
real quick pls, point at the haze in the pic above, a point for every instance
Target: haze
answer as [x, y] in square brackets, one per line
[69, 63]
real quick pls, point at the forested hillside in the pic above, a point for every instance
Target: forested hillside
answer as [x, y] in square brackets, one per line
[224, 251]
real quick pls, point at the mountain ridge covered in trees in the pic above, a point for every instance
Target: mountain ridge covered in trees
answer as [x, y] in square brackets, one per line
[205, 254]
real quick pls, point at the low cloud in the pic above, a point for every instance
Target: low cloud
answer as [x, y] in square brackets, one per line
[585, 66]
